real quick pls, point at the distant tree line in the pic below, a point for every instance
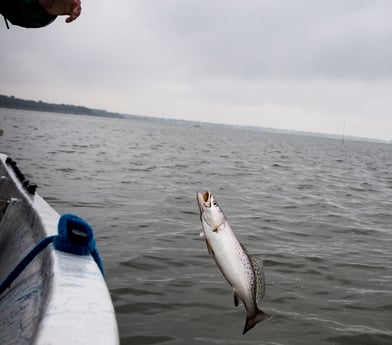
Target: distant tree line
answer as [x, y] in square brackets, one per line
[17, 103]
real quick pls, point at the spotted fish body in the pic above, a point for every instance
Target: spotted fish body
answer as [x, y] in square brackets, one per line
[243, 272]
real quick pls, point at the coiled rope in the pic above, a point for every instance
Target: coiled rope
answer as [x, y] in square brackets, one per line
[75, 236]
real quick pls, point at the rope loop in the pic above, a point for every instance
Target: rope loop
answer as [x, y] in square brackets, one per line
[76, 237]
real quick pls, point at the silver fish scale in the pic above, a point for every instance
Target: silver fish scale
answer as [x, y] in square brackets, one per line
[246, 261]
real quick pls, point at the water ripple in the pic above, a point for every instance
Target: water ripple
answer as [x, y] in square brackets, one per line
[318, 213]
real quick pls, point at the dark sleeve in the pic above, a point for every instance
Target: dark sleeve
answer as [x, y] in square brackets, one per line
[26, 13]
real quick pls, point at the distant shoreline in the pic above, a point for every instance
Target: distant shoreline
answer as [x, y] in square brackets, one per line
[12, 102]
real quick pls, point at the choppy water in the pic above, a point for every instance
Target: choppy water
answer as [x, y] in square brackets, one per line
[317, 212]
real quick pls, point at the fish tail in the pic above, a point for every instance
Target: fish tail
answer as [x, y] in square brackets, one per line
[252, 321]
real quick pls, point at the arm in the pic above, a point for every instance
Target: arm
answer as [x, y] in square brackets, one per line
[38, 13]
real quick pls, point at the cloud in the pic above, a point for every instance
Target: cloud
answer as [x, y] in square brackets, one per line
[287, 64]
[277, 39]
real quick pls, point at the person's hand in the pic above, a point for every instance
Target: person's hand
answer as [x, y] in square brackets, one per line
[72, 8]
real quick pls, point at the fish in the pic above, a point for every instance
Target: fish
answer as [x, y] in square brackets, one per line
[244, 273]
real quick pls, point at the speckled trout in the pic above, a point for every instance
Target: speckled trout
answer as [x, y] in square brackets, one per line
[243, 272]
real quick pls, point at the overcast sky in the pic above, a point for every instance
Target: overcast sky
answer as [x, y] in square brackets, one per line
[304, 65]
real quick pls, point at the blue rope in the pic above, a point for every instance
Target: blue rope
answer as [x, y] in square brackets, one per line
[75, 236]
[24, 262]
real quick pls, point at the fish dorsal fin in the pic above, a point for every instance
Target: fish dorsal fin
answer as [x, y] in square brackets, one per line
[258, 270]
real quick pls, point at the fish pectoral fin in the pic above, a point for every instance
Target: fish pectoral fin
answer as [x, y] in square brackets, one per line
[210, 250]
[244, 248]
[254, 320]
[219, 228]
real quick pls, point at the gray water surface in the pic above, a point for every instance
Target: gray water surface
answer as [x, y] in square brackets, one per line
[317, 212]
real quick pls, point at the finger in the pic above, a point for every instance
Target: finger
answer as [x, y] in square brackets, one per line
[75, 13]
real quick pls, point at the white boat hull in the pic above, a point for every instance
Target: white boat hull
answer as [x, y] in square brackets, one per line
[59, 298]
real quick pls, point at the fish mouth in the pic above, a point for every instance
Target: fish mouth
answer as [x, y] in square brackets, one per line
[203, 201]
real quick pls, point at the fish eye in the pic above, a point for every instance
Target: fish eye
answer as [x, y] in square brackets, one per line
[215, 203]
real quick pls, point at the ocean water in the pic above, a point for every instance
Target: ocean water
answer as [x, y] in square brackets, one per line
[316, 211]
